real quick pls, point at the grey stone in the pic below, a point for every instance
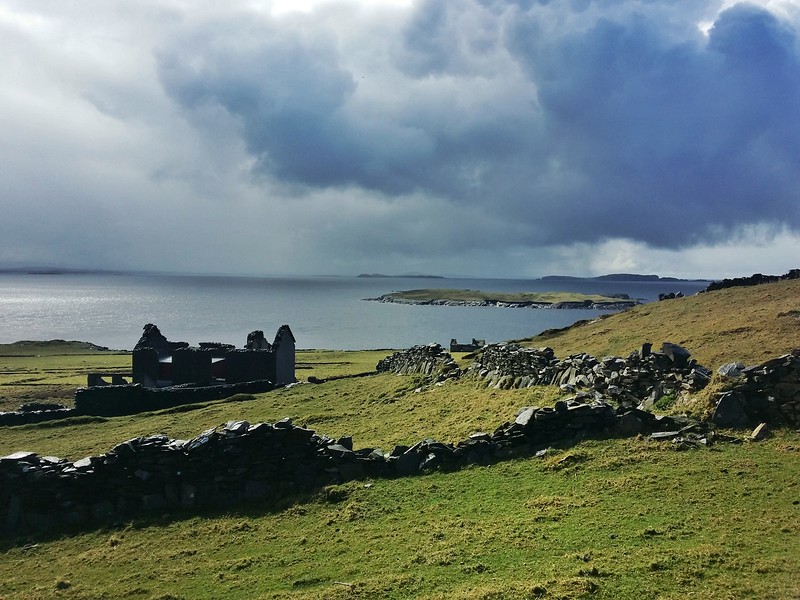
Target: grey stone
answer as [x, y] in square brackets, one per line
[732, 370]
[629, 425]
[730, 411]
[760, 433]
[677, 354]
[525, 417]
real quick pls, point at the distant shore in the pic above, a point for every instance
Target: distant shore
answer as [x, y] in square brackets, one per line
[547, 300]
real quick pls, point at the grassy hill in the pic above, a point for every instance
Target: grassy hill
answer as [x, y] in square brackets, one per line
[748, 324]
[612, 518]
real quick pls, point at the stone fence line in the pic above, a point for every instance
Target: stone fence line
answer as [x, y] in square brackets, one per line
[241, 463]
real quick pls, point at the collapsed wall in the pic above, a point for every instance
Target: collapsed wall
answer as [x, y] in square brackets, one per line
[769, 392]
[643, 376]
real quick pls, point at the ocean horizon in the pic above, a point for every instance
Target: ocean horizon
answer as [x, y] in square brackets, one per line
[324, 311]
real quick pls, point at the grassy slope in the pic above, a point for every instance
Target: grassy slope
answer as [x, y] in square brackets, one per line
[38, 371]
[737, 324]
[426, 295]
[605, 520]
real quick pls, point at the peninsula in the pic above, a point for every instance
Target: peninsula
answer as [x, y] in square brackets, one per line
[450, 297]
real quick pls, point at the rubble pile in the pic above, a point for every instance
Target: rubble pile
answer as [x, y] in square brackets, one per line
[643, 376]
[769, 392]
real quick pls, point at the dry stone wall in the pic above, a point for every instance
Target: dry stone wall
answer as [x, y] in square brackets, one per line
[241, 463]
[429, 360]
[641, 377]
[769, 392]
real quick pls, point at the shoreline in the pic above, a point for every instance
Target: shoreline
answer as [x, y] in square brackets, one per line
[566, 305]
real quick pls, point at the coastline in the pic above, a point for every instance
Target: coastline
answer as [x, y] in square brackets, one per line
[584, 304]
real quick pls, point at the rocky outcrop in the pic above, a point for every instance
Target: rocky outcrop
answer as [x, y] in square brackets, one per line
[755, 279]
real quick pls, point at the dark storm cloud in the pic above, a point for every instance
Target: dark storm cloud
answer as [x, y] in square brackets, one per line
[673, 136]
[492, 137]
[572, 121]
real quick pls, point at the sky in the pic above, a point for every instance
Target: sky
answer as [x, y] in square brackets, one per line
[507, 138]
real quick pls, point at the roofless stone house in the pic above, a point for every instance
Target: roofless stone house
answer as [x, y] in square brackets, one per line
[158, 362]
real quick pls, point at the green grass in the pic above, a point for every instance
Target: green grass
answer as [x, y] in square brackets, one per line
[608, 519]
[427, 295]
[35, 371]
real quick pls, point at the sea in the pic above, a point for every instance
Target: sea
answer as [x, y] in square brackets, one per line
[324, 312]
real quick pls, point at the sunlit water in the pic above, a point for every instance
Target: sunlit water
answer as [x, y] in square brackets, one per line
[323, 312]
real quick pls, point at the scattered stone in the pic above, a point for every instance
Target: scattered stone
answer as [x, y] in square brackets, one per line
[760, 433]
[731, 370]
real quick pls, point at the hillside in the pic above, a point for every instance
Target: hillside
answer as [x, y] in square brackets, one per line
[748, 324]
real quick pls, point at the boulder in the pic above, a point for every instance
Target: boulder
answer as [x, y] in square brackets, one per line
[731, 412]
[677, 354]
[731, 370]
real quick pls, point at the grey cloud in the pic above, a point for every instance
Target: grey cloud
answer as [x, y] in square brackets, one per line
[624, 121]
[496, 130]
[672, 137]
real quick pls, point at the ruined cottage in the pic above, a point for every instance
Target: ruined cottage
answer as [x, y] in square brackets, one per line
[158, 362]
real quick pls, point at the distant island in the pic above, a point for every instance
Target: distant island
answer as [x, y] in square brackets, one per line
[406, 276]
[617, 277]
[448, 297]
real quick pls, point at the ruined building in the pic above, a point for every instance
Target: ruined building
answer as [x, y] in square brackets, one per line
[158, 362]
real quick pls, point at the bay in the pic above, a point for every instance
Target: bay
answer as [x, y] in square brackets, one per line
[323, 312]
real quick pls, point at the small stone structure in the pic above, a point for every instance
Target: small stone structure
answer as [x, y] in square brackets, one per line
[472, 347]
[429, 360]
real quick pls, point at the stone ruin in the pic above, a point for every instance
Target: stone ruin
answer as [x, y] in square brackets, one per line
[166, 374]
[470, 347]
[636, 381]
[157, 362]
[769, 392]
[640, 379]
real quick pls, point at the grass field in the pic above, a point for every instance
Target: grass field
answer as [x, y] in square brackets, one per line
[603, 519]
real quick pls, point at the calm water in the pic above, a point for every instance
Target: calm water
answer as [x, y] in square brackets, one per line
[323, 312]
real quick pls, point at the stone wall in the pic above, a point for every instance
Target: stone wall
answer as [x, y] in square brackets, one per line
[117, 400]
[243, 463]
[429, 360]
[769, 392]
[643, 376]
